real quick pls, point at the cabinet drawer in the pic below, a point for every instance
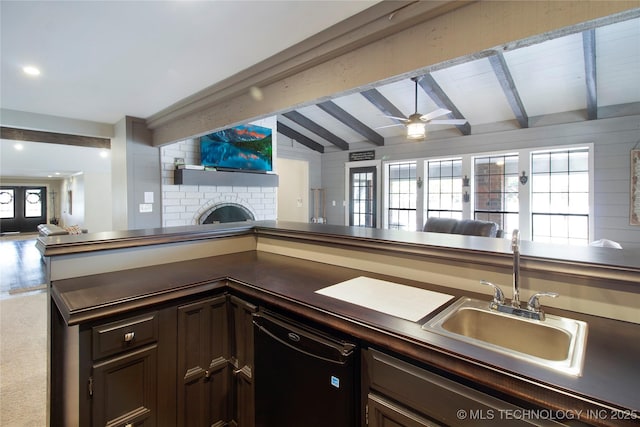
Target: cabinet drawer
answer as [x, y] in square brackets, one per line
[127, 334]
[437, 397]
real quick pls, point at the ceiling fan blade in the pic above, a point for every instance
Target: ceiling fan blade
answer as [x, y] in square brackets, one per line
[404, 119]
[390, 126]
[435, 113]
[448, 122]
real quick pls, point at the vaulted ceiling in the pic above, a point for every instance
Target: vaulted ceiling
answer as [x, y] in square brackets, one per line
[584, 75]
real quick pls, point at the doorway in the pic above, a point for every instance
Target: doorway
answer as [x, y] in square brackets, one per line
[363, 199]
[293, 190]
[22, 208]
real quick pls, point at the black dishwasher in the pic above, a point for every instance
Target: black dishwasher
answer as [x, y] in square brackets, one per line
[303, 377]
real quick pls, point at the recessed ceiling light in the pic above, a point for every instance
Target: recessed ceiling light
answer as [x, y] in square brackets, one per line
[104, 154]
[31, 70]
[18, 146]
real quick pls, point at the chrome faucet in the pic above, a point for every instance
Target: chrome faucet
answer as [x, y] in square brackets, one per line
[532, 311]
[515, 248]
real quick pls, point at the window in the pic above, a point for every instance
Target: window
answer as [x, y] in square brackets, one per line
[444, 188]
[402, 196]
[496, 190]
[560, 196]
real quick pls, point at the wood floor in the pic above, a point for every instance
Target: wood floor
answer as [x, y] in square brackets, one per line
[21, 268]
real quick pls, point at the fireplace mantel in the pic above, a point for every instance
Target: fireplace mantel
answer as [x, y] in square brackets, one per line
[224, 178]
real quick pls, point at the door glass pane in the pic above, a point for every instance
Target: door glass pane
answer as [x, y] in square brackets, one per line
[7, 203]
[33, 203]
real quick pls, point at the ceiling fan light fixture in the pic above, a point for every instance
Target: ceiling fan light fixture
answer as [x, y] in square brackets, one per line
[416, 130]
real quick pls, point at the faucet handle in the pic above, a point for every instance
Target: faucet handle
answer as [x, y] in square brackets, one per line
[534, 301]
[498, 295]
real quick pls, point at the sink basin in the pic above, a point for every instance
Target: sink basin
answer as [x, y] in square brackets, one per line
[556, 343]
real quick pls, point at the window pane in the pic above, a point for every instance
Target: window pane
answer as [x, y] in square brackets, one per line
[540, 183]
[540, 163]
[560, 161]
[33, 203]
[7, 203]
[559, 183]
[579, 182]
[579, 161]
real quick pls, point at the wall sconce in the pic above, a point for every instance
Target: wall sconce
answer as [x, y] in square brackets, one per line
[523, 178]
[465, 181]
[465, 197]
[419, 182]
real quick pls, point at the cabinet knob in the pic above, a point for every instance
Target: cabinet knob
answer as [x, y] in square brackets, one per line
[129, 425]
[128, 337]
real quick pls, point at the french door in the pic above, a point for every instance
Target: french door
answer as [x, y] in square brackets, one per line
[363, 197]
[22, 208]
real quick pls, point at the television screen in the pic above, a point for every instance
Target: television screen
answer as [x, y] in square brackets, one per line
[245, 147]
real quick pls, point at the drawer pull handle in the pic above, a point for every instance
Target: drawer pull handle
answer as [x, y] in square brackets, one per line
[129, 336]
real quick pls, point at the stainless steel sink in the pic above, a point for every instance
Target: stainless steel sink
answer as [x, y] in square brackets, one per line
[556, 343]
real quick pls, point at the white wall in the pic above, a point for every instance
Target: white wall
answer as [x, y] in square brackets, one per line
[293, 190]
[613, 139]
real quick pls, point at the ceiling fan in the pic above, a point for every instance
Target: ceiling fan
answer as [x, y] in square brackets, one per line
[416, 123]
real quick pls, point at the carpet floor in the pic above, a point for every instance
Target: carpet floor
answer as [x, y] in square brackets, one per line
[23, 360]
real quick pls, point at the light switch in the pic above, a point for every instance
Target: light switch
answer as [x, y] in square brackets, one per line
[146, 207]
[148, 196]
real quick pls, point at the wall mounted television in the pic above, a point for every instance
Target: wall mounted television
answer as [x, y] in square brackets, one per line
[240, 148]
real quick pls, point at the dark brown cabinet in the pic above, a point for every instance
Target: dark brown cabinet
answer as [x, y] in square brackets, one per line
[241, 349]
[203, 368]
[186, 363]
[400, 394]
[124, 389]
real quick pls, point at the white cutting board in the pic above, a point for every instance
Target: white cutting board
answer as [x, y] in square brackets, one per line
[391, 298]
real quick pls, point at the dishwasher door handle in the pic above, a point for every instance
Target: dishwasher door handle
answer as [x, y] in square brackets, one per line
[315, 356]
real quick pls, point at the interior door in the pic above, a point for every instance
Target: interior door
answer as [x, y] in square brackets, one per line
[363, 197]
[22, 208]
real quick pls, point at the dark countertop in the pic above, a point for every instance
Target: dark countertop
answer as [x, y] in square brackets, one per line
[610, 376]
[620, 265]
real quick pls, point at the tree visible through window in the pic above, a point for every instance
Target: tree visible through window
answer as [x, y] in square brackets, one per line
[496, 190]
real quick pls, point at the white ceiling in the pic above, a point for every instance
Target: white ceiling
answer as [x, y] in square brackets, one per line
[102, 60]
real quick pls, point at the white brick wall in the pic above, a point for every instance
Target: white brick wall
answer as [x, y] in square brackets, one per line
[184, 204]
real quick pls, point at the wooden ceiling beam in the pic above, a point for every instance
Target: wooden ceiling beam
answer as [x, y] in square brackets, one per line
[503, 74]
[312, 126]
[589, 47]
[294, 134]
[383, 104]
[338, 113]
[54, 138]
[435, 92]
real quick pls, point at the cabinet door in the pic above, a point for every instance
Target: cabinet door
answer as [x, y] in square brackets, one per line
[382, 413]
[124, 389]
[241, 343]
[203, 383]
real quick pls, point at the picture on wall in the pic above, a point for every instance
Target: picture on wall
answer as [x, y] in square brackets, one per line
[245, 148]
[634, 202]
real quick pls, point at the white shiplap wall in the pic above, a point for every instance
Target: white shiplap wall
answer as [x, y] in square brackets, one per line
[613, 139]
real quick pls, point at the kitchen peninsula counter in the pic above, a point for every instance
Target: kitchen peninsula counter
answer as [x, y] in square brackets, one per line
[288, 283]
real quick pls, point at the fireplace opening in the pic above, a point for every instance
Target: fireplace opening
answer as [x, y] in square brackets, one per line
[228, 213]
